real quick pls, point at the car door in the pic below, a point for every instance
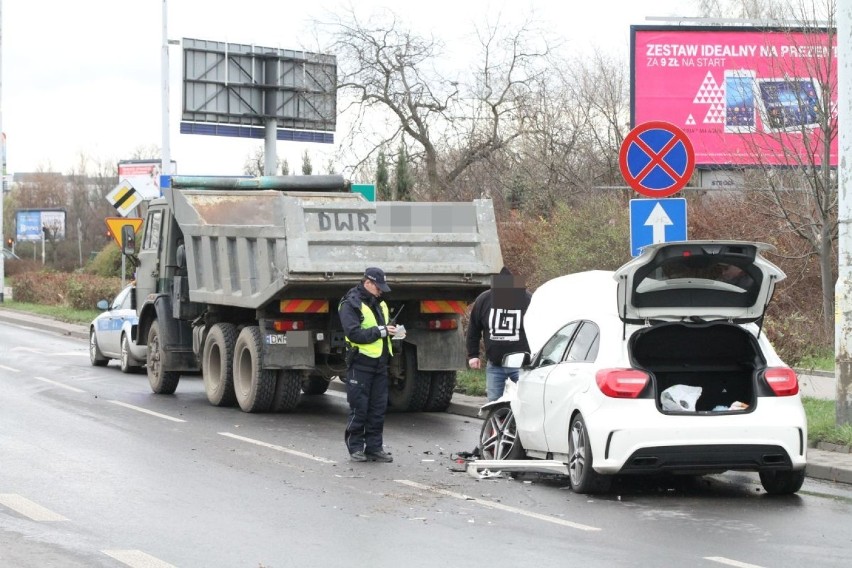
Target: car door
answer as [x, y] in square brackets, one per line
[572, 376]
[529, 416]
[109, 340]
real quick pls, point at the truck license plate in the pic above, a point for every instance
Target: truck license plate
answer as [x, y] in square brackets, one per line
[279, 339]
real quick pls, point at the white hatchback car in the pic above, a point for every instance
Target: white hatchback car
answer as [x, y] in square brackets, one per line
[659, 367]
[110, 334]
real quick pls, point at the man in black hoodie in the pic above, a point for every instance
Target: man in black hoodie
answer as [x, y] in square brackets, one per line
[497, 317]
[365, 322]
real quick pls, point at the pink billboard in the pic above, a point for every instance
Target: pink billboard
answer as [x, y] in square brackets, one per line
[743, 96]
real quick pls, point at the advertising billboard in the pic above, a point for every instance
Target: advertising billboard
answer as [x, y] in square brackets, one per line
[744, 96]
[30, 224]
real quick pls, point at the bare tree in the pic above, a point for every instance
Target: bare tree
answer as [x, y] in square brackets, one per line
[390, 74]
[795, 181]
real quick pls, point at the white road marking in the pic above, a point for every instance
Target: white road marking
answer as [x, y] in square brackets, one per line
[58, 384]
[5, 368]
[28, 349]
[146, 411]
[277, 448]
[499, 506]
[137, 559]
[729, 562]
[29, 509]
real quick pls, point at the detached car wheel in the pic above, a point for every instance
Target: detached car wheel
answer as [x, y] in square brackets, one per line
[584, 479]
[782, 482]
[498, 438]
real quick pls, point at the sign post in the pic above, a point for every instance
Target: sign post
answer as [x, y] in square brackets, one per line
[656, 160]
[115, 225]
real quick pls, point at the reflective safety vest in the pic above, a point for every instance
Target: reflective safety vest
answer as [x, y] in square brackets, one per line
[374, 349]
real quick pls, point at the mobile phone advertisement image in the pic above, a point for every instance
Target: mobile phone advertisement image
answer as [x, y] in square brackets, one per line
[743, 96]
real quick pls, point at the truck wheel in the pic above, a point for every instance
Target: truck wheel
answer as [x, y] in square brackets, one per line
[288, 388]
[217, 364]
[314, 385]
[95, 356]
[254, 386]
[441, 391]
[409, 394]
[162, 381]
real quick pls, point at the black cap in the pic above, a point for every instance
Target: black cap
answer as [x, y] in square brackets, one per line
[377, 275]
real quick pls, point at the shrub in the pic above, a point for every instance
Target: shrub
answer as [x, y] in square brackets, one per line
[84, 290]
[107, 263]
[593, 235]
[76, 291]
[41, 287]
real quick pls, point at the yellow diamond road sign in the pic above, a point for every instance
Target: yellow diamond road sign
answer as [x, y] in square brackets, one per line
[124, 198]
[114, 224]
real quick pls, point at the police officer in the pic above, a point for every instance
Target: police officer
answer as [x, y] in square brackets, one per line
[364, 317]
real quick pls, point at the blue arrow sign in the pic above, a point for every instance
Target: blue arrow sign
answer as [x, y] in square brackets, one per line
[656, 221]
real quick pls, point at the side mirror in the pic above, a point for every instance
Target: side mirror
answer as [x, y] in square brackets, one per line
[128, 240]
[516, 360]
[103, 305]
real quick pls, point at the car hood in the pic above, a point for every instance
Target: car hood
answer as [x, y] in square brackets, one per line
[704, 280]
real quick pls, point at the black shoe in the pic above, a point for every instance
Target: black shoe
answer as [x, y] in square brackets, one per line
[358, 456]
[380, 456]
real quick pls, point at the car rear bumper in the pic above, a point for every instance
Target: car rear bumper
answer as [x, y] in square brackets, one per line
[773, 436]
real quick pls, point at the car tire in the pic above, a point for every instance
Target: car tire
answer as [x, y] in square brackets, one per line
[95, 356]
[498, 437]
[162, 381]
[217, 364]
[782, 482]
[582, 476]
[125, 360]
[254, 386]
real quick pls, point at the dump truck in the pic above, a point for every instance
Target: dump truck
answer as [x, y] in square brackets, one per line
[240, 279]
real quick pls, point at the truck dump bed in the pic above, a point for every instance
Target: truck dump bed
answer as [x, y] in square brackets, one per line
[247, 246]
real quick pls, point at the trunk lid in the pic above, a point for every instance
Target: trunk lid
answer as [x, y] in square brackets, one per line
[698, 280]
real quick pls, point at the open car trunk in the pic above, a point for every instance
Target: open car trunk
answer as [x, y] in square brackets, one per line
[723, 359]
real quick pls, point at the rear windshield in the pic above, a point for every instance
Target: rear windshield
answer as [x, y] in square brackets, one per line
[699, 277]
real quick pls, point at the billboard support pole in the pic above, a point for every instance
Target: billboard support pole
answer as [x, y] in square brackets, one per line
[270, 134]
[843, 287]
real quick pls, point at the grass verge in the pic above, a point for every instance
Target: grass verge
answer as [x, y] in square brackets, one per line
[68, 315]
[822, 426]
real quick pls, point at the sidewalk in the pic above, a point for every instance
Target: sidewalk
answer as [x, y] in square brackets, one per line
[823, 463]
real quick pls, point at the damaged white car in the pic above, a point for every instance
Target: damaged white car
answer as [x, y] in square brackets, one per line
[658, 367]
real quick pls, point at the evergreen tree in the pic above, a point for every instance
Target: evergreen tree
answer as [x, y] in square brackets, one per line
[383, 189]
[307, 168]
[285, 167]
[404, 182]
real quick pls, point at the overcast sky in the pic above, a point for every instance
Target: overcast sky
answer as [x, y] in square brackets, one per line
[83, 78]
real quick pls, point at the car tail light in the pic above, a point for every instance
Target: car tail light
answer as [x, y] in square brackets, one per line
[288, 325]
[443, 324]
[782, 380]
[622, 383]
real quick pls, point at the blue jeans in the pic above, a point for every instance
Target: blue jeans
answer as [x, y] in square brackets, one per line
[495, 380]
